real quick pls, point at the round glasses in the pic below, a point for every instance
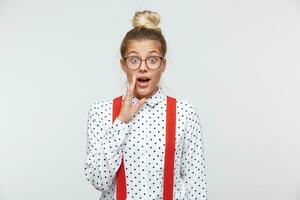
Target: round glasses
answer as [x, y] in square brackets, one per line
[134, 62]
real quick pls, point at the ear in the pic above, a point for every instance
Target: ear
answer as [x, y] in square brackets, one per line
[123, 65]
[164, 64]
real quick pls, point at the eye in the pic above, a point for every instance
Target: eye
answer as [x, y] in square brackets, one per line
[134, 59]
[152, 59]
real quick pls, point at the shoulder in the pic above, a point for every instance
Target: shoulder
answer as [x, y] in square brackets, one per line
[189, 115]
[187, 106]
[188, 112]
[100, 107]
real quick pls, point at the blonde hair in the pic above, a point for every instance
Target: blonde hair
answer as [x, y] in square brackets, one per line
[147, 19]
[146, 26]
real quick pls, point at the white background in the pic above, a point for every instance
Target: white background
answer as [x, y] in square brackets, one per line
[237, 61]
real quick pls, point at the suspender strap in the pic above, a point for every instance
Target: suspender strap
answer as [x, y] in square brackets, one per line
[120, 175]
[169, 152]
[170, 149]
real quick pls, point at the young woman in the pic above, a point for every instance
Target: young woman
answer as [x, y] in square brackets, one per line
[131, 153]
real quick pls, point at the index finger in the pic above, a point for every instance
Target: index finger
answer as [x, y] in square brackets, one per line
[133, 82]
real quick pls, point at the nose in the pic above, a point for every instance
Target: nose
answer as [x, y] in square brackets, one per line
[143, 65]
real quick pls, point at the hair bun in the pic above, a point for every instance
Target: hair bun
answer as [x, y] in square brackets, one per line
[147, 19]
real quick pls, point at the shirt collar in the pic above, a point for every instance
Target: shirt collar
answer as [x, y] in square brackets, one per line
[157, 97]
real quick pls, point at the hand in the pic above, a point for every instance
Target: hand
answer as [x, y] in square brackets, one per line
[128, 110]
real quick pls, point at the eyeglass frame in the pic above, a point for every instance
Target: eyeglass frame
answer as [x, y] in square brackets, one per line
[161, 57]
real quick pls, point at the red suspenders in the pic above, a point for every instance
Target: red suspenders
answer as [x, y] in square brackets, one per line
[120, 175]
[169, 151]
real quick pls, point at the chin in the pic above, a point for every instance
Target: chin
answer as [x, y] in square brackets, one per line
[145, 91]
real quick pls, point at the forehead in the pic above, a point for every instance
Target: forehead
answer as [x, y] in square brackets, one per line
[143, 47]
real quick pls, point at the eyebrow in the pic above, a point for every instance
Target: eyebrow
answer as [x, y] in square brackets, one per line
[153, 51]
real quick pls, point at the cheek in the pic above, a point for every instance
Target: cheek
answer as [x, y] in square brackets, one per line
[157, 78]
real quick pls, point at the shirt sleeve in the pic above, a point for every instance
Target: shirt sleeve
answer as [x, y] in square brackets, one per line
[192, 167]
[104, 149]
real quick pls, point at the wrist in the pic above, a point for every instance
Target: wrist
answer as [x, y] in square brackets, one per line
[123, 120]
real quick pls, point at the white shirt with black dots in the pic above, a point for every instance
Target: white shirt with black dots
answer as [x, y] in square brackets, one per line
[142, 142]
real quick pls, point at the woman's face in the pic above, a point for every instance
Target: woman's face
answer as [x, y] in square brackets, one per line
[143, 49]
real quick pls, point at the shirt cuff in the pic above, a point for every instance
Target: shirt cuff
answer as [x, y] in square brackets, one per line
[121, 130]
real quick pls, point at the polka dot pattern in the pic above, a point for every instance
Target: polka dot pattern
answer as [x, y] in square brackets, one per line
[142, 144]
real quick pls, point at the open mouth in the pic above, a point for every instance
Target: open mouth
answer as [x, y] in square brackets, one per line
[143, 81]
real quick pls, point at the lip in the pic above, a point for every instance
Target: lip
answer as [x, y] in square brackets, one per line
[143, 84]
[142, 77]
